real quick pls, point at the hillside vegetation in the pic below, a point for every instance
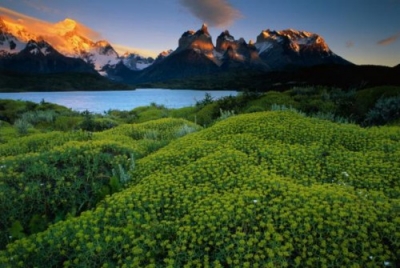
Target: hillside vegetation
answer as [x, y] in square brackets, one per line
[272, 188]
[19, 82]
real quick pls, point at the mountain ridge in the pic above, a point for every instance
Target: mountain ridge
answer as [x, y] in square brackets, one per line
[68, 37]
[281, 49]
[196, 55]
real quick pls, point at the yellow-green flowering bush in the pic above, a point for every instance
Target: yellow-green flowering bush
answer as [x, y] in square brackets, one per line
[45, 178]
[271, 189]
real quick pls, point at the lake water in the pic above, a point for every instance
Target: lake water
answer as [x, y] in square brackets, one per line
[100, 101]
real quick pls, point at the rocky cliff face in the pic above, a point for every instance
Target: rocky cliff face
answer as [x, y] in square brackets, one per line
[199, 40]
[289, 47]
[273, 51]
[238, 52]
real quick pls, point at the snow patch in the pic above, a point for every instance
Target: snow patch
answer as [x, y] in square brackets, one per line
[263, 46]
[35, 51]
[11, 42]
[142, 65]
[103, 73]
[229, 38]
[44, 51]
[100, 61]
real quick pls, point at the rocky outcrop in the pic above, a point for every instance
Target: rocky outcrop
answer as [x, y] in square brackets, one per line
[280, 49]
[199, 41]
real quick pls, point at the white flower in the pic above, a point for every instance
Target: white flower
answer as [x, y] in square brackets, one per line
[255, 201]
[386, 263]
[344, 173]
[3, 166]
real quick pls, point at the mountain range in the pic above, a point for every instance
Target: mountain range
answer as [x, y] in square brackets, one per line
[68, 50]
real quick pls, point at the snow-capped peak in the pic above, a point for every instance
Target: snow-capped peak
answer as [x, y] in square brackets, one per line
[135, 61]
[65, 26]
[102, 43]
[2, 24]
[294, 38]
[204, 29]
[39, 47]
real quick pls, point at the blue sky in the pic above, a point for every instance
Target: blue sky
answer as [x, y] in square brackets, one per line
[361, 31]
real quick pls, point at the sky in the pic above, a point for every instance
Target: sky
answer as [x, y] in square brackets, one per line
[361, 31]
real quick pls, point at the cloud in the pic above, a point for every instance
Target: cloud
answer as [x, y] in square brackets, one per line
[18, 16]
[389, 40]
[218, 13]
[44, 28]
[349, 44]
[51, 32]
[121, 49]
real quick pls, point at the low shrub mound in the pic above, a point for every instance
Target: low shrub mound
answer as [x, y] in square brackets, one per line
[48, 177]
[269, 189]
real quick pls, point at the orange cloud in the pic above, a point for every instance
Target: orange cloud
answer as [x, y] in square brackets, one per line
[11, 14]
[44, 28]
[121, 49]
[53, 33]
[389, 40]
[218, 13]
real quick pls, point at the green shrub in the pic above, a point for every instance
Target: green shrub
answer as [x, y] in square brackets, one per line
[35, 117]
[225, 114]
[273, 97]
[305, 91]
[184, 130]
[88, 123]
[254, 109]
[101, 124]
[22, 126]
[270, 189]
[53, 184]
[67, 123]
[367, 98]
[208, 99]
[187, 113]
[152, 112]
[206, 115]
[385, 110]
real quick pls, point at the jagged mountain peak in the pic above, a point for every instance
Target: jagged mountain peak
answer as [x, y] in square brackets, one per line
[16, 30]
[294, 48]
[165, 53]
[2, 24]
[226, 40]
[135, 61]
[68, 37]
[39, 48]
[295, 33]
[102, 43]
[67, 25]
[226, 35]
[204, 29]
[199, 41]
[297, 40]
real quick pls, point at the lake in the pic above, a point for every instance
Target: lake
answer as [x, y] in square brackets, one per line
[100, 101]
